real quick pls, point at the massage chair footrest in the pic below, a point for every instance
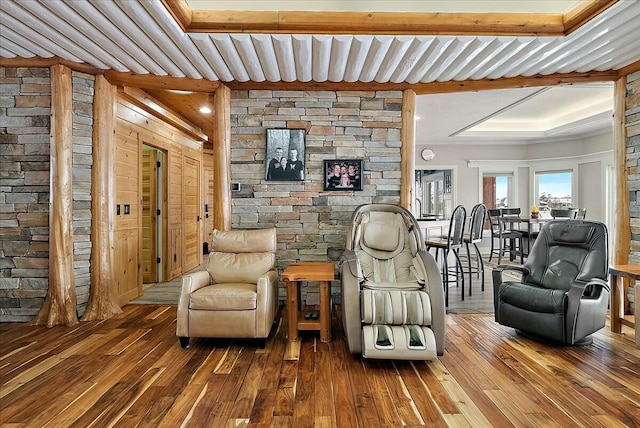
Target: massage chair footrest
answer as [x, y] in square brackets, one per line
[398, 342]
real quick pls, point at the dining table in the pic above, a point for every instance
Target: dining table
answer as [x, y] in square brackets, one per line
[530, 222]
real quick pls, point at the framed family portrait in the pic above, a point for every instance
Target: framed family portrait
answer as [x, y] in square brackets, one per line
[285, 155]
[343, 174]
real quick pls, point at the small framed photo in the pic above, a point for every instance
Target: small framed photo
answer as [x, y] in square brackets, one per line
[343, 174]
[285, 154]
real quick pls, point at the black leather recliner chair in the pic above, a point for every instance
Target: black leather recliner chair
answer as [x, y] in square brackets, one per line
[563, 294]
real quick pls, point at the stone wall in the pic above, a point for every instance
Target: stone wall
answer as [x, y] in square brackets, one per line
[312, 223]
[25, 108]
[82, 161]
[633, 159]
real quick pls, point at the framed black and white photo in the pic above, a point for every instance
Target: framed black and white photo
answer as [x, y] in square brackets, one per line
[285, 155]
[343, 174]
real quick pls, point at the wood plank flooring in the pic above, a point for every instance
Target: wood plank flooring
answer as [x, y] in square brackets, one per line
[130, 371]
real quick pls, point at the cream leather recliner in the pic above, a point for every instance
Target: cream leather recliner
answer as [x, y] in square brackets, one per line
[392, 294]
[237, 296]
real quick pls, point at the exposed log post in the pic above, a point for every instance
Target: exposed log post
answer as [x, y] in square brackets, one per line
[222, 159]
[622, 239]
[60, 304]
[408, 150]
[102, 298]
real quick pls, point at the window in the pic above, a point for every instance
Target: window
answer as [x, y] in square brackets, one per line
[553, 191]
[497, 190]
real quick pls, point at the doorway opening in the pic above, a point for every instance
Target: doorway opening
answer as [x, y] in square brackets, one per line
[153, 223]
[434, 194]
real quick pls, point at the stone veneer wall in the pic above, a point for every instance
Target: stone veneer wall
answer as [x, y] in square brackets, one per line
[25, 108]
[82, 161]
[633, 161]
[312, 224]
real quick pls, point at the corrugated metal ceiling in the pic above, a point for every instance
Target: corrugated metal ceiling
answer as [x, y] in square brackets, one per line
[142, 37]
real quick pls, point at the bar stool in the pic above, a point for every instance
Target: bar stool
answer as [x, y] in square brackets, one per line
[452, 243]
[476, 226]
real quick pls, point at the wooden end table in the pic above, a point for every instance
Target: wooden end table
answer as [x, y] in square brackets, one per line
[619, 297]
[323, 272]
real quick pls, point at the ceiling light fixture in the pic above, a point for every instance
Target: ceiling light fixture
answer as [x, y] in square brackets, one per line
[180, 92]
[205, 110]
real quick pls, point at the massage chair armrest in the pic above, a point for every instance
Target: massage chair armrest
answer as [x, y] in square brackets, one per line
[350, 292]
[435, 288]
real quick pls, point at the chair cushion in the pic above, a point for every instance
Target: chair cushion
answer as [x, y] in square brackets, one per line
[241, 267]
[532, 297]
[382, 234]
[224, 297]
[244, 241]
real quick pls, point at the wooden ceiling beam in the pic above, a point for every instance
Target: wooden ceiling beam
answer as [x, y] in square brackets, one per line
[180, 11]
[434, 87]
[318, 86]
[48, 62]
[515, 82]
[147, 81]
[397, 23]
[629, 69]
[144, 101]
[583, 13]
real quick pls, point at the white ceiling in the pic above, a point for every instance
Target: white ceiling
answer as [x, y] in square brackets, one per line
[528, 115]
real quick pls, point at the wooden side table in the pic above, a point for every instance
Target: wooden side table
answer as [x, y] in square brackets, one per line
[618, 298]
[323, 272]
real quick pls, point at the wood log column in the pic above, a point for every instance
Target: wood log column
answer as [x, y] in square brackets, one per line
[222, 159]
[60, 304]
[622, 239]
[103, 297]
[408, 150]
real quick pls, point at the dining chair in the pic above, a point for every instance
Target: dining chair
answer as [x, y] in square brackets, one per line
[451, 244]
[473, 237]
[565, 213]
[582, 214]
[504, 238]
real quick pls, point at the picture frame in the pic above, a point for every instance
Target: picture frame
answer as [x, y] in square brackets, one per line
[285, 155]
[343, 174]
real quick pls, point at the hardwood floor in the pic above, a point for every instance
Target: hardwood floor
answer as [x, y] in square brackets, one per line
[130, 371]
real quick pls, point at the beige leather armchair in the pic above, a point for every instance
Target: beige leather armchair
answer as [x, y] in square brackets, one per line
[237, 296]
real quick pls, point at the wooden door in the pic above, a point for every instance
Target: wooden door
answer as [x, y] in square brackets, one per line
[149, 216]
[127, 272]
[191, 213]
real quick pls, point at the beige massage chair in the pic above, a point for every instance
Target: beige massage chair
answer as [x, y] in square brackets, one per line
[237, 296]
[392, 294]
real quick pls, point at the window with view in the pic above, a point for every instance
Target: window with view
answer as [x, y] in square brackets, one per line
[553, 191]
[497, 190]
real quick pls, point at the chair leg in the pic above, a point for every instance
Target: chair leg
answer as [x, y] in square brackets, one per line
[480, 268]
[491, 252]
[445, 277]
[184, 342]
[459, 264]
[470, 269]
